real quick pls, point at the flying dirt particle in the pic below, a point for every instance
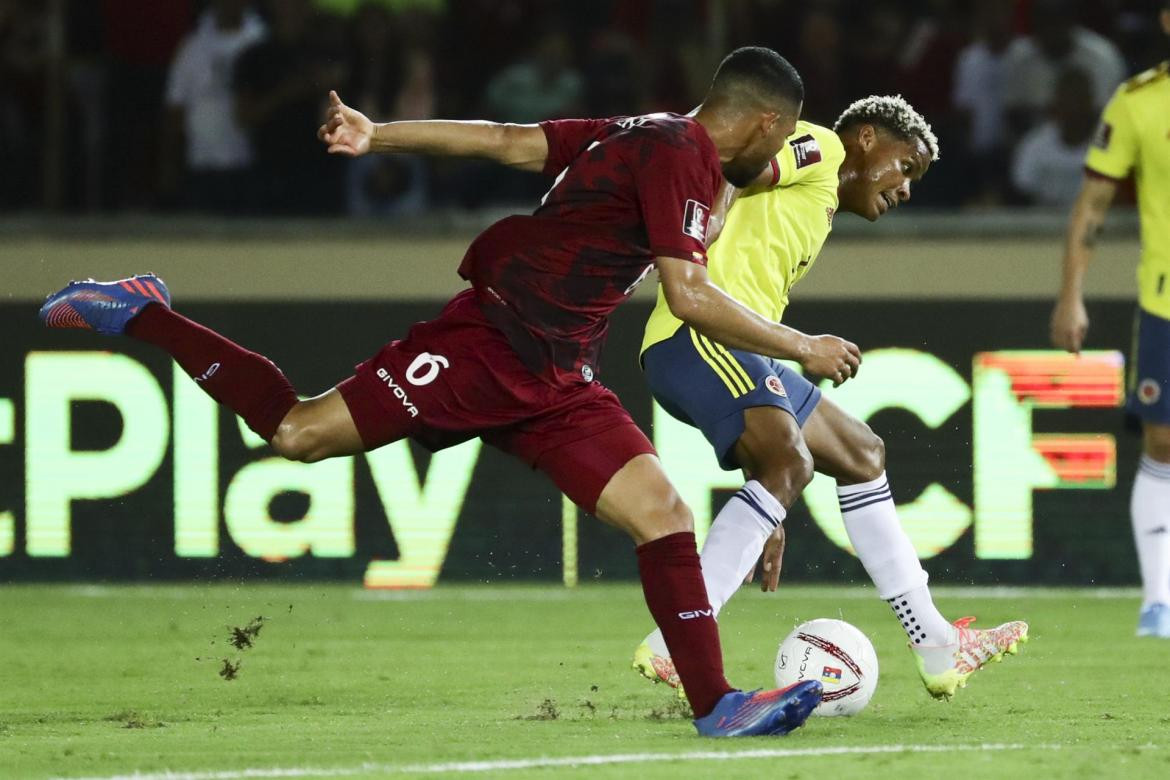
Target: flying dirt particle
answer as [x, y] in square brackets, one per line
[229, 670]
[242, 638]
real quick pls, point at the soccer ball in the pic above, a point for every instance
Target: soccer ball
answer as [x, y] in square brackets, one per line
[838, 655]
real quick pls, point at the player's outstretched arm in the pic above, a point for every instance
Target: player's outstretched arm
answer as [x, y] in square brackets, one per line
[349, 132]
[695, 300]
[1070, 321]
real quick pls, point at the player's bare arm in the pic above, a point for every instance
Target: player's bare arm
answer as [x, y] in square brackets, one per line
[351, 133]
[728, 193]
[695, 300]
[1070, 321]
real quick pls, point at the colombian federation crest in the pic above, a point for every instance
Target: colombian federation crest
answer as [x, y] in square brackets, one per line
[1149, 391]
[773, 383]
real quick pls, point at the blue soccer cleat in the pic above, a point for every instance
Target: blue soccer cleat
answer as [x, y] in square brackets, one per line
[106, 307]
[1154, 621]
[760, 713]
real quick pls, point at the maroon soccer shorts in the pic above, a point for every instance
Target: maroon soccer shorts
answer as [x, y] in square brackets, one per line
[456, 377]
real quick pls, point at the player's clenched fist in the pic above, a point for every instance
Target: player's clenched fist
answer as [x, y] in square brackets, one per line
[346, 130]
[831, 357]
[1070, 323]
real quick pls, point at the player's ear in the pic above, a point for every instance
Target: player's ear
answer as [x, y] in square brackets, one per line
[768, 121]
[866, 137]
[1165, 16]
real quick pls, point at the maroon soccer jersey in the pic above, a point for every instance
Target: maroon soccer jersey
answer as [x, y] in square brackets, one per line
[626, 190]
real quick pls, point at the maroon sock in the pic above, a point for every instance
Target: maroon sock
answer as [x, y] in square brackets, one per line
[249, 384]
[672, 582]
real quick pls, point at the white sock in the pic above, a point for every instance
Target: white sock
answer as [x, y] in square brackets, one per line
[733, 546]
[871, 520]
[1149, 507]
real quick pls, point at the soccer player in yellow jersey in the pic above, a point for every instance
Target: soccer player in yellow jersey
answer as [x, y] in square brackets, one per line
[1134, 136]
[767, 419]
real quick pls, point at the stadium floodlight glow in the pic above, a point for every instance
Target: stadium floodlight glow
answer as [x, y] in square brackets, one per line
[55, 473]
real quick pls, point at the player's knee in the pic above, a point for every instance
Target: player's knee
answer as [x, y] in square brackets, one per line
[869, 460]
[667, 515]
[677, 515]
[787, 476]
[801, 471]
[298, 440]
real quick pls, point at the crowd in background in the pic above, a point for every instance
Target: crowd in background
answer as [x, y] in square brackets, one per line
[212, 105]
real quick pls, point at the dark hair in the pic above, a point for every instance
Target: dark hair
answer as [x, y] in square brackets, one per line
[757, 75]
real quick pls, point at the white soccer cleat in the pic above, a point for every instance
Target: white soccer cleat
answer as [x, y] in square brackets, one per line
[945, 669]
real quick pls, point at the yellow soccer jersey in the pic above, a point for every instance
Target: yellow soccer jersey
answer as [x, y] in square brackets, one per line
[1135, 136]
[771, 238]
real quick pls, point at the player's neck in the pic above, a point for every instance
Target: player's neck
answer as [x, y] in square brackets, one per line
[847, 173]
[722, 128]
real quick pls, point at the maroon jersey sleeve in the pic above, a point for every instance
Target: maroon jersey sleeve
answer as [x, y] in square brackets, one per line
[566, 139]
[677, 186]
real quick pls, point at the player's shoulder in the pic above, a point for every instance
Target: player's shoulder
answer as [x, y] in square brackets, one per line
[814, 146]
[826, 139]
[664, 127]
[666, 139]
[1159, 74]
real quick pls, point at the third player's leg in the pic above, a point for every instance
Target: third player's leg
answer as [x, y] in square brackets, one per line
[1150, 515]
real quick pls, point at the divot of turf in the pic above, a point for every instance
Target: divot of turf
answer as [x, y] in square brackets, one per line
[132, 719]
[546, 710]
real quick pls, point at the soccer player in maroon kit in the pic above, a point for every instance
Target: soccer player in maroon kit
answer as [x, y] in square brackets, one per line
[513, 359]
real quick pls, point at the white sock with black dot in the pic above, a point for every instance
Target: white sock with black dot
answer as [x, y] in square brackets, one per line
[921, 619]
[871, 520]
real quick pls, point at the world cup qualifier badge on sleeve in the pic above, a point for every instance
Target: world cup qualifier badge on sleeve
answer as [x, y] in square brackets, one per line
[695, 220]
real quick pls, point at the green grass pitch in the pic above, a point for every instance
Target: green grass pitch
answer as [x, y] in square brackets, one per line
[106, 681]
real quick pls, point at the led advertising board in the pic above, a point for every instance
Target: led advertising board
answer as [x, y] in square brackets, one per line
[1008, 461]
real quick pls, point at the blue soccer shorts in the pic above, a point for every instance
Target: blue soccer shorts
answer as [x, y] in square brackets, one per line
[1149, 378]
[708, 386]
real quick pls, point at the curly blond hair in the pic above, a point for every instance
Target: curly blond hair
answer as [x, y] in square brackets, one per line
[892, 113]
